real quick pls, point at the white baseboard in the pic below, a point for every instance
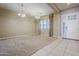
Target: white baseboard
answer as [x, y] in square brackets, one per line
[8, 37]
[58, 37]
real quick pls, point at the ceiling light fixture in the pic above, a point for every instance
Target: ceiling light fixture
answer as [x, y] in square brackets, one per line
[68, 3]
[21, 13]
[37, 17]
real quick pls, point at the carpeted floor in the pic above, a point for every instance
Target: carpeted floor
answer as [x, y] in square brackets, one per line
[23, 45]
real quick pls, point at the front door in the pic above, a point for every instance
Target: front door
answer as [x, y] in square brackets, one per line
[71, 27]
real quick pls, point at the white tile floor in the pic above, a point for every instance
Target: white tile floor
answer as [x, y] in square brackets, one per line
[60, 47]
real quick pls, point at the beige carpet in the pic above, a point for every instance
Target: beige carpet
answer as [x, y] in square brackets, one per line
[23, 45]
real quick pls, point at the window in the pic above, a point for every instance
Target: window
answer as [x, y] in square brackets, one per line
[44, 24]
[72, 17]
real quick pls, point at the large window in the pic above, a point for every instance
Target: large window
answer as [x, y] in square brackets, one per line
[44, 24]
[72, 17]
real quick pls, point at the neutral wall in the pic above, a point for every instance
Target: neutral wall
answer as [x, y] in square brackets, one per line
[12, 25]
[51, 25]
[57, 25]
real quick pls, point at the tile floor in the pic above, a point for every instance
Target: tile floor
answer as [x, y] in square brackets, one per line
[60, 47]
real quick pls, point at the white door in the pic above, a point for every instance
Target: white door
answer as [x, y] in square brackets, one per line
[71, 26]
[64, 26]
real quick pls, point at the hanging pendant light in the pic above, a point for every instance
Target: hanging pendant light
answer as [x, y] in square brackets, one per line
[68, 3]
[37, 17]
[19, 14]
[22, 14]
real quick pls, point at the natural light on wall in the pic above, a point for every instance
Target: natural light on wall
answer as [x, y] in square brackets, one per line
[44, 24]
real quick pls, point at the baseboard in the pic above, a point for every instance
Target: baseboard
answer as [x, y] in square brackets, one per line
[8, 37]
[57, 37]
[71, 39]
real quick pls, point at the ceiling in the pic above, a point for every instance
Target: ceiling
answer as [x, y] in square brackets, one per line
[31, 9]
[64, 6]
[37, 9]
